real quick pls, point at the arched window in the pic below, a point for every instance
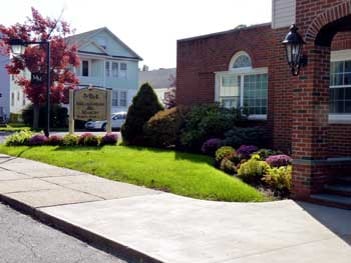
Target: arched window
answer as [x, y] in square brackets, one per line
[240, 60]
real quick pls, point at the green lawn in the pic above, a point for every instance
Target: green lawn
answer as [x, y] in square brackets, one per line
[180, 173]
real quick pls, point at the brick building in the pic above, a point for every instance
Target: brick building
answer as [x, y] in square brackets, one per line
[308, 116]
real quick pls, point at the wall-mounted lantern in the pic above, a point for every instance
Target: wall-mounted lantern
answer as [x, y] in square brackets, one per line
[293, 43]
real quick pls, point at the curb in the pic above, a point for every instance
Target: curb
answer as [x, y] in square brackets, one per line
[100, 242]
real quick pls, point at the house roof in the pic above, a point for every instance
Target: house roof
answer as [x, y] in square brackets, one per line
[226, 32]
[158, 79]
[85, 38]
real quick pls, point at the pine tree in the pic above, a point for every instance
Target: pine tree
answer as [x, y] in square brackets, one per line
[145, 105]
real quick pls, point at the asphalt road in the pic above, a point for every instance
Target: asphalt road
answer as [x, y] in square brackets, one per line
[24, 240]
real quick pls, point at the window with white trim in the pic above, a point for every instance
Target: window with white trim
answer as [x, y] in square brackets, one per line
[123, 99]
[119, 98]
[340, 87]
[123, 70]
[85, 68]
[115, 98]
[107, 69]
[243, 86]
[115, 69]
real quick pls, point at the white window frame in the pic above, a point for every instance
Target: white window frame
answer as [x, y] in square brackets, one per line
[241, 73]
[119, 75]
[235, 57]
[120, 98]
[337, 56]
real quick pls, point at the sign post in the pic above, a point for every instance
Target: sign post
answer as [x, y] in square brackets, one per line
[90, 104]
[71, 112]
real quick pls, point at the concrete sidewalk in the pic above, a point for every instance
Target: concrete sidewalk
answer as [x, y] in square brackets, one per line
[152, 226]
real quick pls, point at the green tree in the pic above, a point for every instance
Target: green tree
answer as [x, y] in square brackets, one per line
[145, 105]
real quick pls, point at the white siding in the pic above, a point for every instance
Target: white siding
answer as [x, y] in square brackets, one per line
[284, 13]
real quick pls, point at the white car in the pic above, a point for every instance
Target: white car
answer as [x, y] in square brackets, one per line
[118, 119]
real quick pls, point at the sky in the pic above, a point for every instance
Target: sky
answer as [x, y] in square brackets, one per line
[150, 27]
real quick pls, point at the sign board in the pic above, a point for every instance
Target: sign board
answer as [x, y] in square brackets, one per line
[37, 78]
[90, 104]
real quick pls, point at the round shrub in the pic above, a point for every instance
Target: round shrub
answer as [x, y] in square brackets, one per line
[145, 105]
[253, 170]
[223, 152]
[55, 140]
[109, 139]
[228, 166]
[237, 136]
[279, 160]
[279, 180]
[88, 139]
[163, 129]
[245, 151]
[211, 146]
[70, 140]
[37, 140]
[19, 138]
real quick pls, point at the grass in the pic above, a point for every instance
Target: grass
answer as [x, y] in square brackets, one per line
[180, 173]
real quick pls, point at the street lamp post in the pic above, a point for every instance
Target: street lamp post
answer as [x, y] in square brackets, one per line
[18, 48]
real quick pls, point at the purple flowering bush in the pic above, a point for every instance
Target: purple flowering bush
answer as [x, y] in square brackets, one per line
[55, 140]
[211, 146]
[279, 160]
[37, 140]
[109, 139]
[245, 151]
[88, 139]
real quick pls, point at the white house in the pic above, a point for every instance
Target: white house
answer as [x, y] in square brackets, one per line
[106, 62]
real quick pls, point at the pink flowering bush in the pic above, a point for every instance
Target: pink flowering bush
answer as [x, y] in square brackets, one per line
[245, 151]
[37, 140]
[88, 139]
[279, 160]
[55, 140]
[109, 139]
[211, 146]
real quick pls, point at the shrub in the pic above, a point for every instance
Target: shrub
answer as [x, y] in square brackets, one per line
[38, 140]
[163, 129]
[145, 105]
[70, 140]
[109, 139]
[279, 160]
[228, 166]
[55, 140]
[207, 121]
[252, 170]
[211, 146]
[223, 152]
[245, 136]
[265, 153]
[19, 138]
[245, 151]
[279, 179]
[88, 139]
[58, 116]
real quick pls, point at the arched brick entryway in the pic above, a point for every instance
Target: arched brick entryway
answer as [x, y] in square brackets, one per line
[312, 166]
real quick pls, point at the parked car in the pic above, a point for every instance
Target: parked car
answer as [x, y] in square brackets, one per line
[118, 119]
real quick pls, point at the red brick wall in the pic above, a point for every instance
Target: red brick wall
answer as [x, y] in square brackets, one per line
[199, 58]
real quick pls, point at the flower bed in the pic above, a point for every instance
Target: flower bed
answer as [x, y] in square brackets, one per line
[27, 138]
[263, 168]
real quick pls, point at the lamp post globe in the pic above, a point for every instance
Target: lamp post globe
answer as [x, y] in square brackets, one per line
[18, 46]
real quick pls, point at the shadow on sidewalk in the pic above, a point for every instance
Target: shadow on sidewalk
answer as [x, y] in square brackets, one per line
[336, 220]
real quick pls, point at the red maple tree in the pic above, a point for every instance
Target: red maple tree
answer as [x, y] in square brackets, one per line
[63, 55]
